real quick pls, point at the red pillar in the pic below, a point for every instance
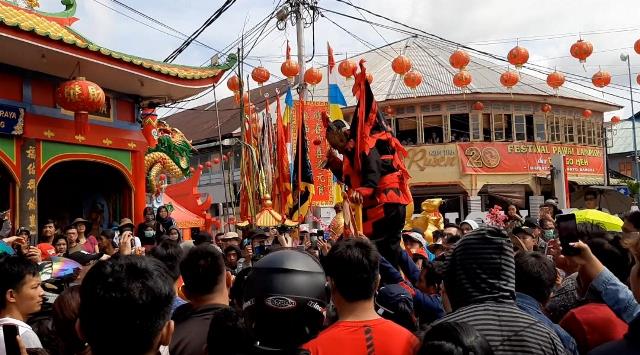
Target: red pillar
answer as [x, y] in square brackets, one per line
[139, 185]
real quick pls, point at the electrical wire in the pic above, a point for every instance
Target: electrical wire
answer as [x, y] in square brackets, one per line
[227, 4]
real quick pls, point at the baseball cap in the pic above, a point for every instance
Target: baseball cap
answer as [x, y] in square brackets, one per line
[415, 235]
[230, 235]
[395, 302]
[531, 222]
[525, 230]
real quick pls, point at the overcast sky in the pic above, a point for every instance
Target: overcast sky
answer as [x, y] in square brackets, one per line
[546, 27]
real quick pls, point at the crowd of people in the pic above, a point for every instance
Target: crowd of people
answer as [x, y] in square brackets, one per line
[473, 290]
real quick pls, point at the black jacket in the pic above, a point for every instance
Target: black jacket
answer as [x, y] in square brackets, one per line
[191, 328]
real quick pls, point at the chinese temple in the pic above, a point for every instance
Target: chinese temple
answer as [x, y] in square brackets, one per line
[54, 165]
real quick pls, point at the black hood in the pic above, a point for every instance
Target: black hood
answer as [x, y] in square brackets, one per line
[187, 311]
[480, 269]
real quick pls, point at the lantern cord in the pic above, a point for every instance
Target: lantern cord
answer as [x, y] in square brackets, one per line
[76, 67]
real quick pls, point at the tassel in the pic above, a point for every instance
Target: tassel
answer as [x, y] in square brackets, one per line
[81, 119]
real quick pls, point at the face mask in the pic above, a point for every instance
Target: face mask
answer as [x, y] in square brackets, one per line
[149, 234]
[549, 234]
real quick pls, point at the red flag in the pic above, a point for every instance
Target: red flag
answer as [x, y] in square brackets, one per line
[283, 175]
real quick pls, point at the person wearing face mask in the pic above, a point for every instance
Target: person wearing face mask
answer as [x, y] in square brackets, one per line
[538, 233]
[148, 239]
[149, 219]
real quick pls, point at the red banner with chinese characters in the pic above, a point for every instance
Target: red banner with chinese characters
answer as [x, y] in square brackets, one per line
[322, 178]
[531, 158]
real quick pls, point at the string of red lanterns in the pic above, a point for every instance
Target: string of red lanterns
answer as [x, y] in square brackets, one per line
[401, 65]
[478, 106]
[518, 56]
[581, 50]
[313, 76]
[260, 75]
[615, 119]
[509, 79]
[346, 68]
[601, 78]
[412, 79]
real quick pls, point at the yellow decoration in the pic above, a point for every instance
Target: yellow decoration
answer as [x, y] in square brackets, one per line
[49, 134]
[107, 141]
[132, 145]
[31, 152]
[31, 168]
[430, 218]
[32, 221]
[31, 204]
[79, 138]
[31, 184]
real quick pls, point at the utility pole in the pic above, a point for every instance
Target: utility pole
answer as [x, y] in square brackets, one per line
[636, 167]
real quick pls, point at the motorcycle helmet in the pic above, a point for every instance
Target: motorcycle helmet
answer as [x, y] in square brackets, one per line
[285, 297]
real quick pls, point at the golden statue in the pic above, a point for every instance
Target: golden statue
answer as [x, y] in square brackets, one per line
[430, 218]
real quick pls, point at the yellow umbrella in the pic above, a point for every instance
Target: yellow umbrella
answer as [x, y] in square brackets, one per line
[607, 221]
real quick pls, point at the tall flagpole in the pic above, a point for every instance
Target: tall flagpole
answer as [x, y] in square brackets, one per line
[302, 88]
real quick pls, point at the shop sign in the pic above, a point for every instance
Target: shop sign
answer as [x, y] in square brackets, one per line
[11, 120]
[529, 158]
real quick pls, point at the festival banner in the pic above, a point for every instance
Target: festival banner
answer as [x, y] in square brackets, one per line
[530, 158]
[322, 178]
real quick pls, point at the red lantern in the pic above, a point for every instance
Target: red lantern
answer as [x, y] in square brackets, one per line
[615, 119]
[208, 164]
[233, 83]
[317, 141]
[478, 106]
[216, 161]
[82, 97]
[200, 167]
[224, 157]
[586, 113]
[581, 50]
[290, 67]
[370, 78]
[636, 46]
[462, 79]
[401, 65]
[601, 79]
[459, 59]
[389, 111]
[260, 75]
[546, 108]
[162, 177]
[346, 68]
[518, 56]
[555, 80]
[638, 79]
[509, 79]
[412, 79]
[313, 76]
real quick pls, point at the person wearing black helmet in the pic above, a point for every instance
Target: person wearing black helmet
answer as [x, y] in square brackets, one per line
[285, 297]
[352, 270]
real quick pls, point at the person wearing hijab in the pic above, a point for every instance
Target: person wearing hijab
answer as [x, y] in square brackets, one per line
[164, 220]
[467, 226]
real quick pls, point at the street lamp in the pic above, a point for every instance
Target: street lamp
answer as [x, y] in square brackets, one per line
[625, 58]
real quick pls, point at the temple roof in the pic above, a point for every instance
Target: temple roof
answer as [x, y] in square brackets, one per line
[32, 21]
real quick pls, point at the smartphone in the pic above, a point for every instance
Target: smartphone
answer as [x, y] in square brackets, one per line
[567, 233]
[10, 332]
[314, 241]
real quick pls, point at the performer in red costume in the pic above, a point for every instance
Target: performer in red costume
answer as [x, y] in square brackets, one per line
[372, 168]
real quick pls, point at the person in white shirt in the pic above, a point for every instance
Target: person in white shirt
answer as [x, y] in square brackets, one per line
[21, 296]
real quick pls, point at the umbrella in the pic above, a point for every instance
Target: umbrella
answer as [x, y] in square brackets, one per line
[608, 198]
[606, 220]
[6, 248]
[62, 267]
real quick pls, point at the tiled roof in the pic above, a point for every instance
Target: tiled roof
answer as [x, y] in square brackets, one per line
[29, 21]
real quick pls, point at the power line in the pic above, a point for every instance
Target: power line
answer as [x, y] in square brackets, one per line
[227, 4]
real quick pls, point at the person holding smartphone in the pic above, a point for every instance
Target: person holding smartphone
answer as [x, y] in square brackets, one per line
[22, 296]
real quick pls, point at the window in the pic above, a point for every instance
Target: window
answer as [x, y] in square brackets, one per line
[580, 133]
[407, 130]
[624, 167]
[569, 130]
[459, 123]
[520, 128]
[432, 129]
[591, 140]
[502, 129]
[540, 128]
[486, 127]
[446, 129]
[475, 126]
[598, 129]
[555, 128]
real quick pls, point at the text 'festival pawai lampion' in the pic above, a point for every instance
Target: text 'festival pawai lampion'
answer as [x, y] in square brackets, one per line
[82, 97]
[518, 56]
